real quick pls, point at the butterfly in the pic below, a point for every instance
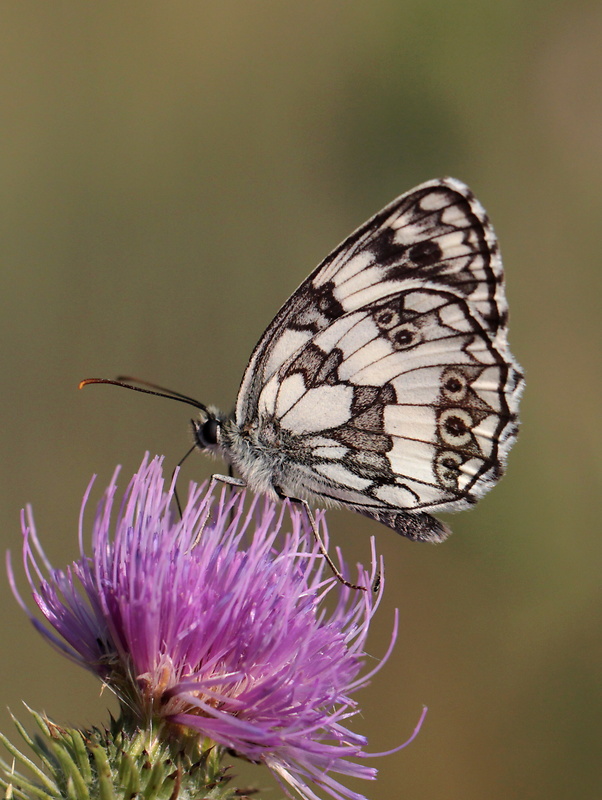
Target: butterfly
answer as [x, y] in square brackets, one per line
[385, 383]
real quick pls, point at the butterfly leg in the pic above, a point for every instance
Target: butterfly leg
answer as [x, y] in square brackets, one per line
[229, 480]
[177, 466]
[321, 546]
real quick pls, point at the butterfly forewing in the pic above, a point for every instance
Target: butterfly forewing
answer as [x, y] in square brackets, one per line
[436, 233]
[385, 382]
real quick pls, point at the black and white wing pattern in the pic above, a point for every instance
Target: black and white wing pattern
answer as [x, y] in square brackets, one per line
[385, 382]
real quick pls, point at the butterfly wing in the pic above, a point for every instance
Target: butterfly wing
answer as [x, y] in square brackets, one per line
[438, 232]
[385, 381]
[404, 404]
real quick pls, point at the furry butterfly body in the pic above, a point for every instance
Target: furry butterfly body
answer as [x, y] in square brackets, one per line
[385, 383]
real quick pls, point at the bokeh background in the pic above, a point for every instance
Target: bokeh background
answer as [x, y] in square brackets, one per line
[171, 171]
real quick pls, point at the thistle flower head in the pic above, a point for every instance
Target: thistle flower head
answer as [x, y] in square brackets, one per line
[224, 624]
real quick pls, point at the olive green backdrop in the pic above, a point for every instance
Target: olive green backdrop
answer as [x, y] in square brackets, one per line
[170, 172]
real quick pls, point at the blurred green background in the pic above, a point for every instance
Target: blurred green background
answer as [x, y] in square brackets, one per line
[171, 171]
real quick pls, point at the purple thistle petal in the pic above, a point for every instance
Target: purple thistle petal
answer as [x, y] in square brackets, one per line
[217, 622]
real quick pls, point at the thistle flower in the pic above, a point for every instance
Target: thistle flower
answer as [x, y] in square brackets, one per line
[222, 624]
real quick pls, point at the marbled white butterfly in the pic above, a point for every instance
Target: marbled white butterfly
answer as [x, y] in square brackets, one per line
[385, 383]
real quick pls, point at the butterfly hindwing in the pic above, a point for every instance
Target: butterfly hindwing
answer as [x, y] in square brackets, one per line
[398, 405]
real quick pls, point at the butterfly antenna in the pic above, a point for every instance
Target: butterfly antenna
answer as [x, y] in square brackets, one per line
[170, 392]
[158, 391]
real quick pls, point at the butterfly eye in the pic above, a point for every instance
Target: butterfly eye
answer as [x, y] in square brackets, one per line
[207, 433]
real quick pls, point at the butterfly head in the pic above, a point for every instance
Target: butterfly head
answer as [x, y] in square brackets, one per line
[207, 429]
